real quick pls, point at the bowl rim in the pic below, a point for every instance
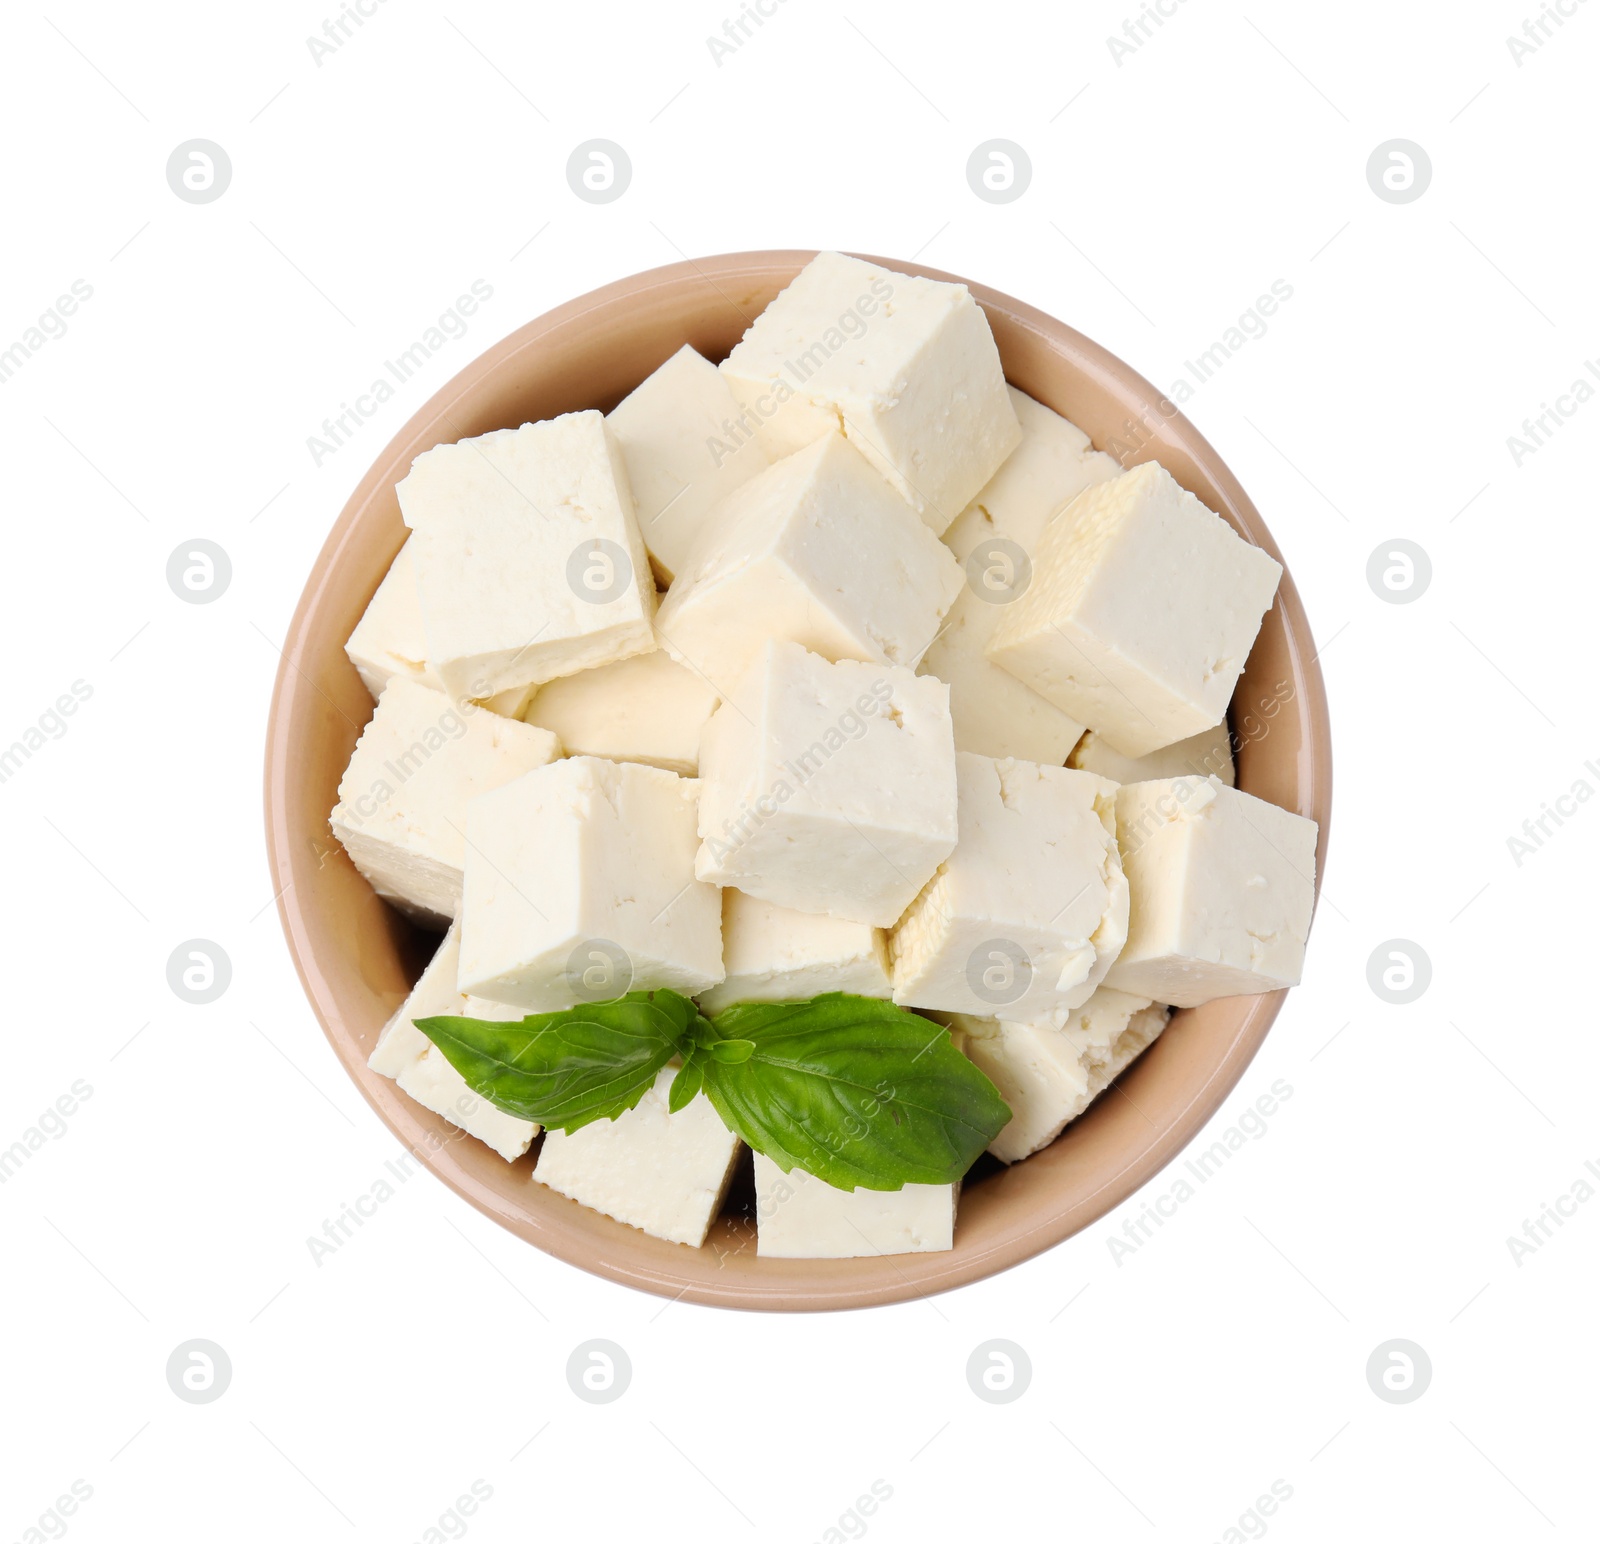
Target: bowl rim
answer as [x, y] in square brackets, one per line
[933, 1272]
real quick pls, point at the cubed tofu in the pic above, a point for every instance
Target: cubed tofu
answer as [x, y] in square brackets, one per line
[775, 955]
[389, 639]
[405, 1054]
[527, 553]
[403, 799]
[1221, 886]
[819, 550]
[1052, 1070]
[907, 367]
[648, 709]
[995, 539]
[1207, 754]
[663, 1173]
[799, 1217]
[580, 885]
[1143, 607]
[828, 787]
[687, 444]
[1029, 911]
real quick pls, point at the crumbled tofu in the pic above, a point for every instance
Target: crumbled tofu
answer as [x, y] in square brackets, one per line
[1207, 754]
[580, 885]
[687, 444]
[1221, 886]
[799, 1217]
[818, 550]
[1143, 607]
[775, 955]
[528, 558]
[995, 539]
[648, 708]
[906, 367]
[1049, 1071]
[389, 640]
[421, 1069]
[403, 798]
[666, 1174]
[828, 787]
[1031, 908]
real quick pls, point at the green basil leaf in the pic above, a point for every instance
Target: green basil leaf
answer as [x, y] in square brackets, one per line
[856, 1091]
[564, 1070]
[731, 1052]
[684, 1087]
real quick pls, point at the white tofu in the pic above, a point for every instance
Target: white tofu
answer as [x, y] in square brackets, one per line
[405, 1054]
[663, 1173]
[528, 557]
[1143, 607]
[799, 1217]
[687, 444]
[574, 861]
[775, 955]
[907, 367]
[828, 787]
[1221, 888]
[403, 799]
[816, 549]
[389, 639]
[1207, 754]
[994, 713]
[1051, 1071]
[648, 709]
[1029, 911]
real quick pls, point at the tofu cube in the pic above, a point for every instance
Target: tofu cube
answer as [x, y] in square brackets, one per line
[828, 787]
[995, 539]
[1221, 886]
[405, 1054]
[819, 550]
[580, 886]
[799, 1217]
[907, 367]
[687, 444]
[1031, 908]
[403, 799]
[1207, 754]
[528, 558]
[389, 639]
[1143, 607]
[775, 955]
[665, 1174]
[648, 708]
[1050, 1071]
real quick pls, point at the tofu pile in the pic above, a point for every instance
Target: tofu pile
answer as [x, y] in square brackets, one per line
[841, 666]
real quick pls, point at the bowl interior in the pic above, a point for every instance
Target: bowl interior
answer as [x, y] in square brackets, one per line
[357, 957]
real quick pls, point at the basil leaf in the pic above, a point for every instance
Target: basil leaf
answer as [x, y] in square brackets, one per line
[684, 1087]
[564, 1070]
[856, 1091]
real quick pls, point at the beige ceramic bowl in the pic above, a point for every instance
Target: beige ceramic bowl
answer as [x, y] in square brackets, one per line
[357, 957]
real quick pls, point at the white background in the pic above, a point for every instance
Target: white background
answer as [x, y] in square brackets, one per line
[1227, 1352]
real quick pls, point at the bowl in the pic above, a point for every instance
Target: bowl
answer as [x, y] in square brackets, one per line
[357, 957]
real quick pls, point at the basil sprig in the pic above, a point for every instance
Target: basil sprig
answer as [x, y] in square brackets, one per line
[856, 1091]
